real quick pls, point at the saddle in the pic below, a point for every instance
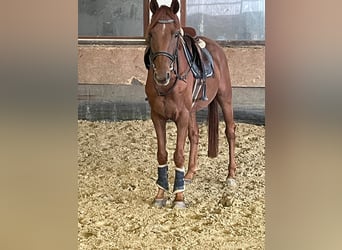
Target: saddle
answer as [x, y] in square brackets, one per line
[197, 53]
[200, 60]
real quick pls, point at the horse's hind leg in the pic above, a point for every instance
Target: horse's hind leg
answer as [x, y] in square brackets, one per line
[225, 101]
[162, 181]
[193, 138]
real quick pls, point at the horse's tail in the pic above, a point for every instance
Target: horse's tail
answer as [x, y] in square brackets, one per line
[213, 127]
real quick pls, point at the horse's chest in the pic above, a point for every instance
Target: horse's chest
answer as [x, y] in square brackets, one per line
[169, 109]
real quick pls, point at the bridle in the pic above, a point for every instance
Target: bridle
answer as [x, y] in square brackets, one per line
[172, 57]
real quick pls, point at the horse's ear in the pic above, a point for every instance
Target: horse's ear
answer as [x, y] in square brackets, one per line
[154, 6]
[174, 6]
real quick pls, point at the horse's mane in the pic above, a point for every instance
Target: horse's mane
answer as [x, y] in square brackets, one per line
[164, 12]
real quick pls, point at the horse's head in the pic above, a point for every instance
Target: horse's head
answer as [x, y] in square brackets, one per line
[163, 37]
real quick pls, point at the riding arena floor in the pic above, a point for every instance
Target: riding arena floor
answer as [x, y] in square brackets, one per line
[117, 170]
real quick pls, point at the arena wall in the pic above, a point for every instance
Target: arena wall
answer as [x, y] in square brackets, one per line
[103, 64]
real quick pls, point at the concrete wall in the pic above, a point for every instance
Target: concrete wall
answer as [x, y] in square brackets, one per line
[104, 64]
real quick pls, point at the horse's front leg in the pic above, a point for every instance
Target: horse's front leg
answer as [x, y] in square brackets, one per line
[162, 181]
[179, 185]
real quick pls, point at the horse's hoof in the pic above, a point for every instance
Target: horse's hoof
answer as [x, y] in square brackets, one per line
[179, 204]
[231, 182]
[159, 203]
[187, 181]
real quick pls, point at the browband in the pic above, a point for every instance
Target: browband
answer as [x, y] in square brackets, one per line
[166, 21]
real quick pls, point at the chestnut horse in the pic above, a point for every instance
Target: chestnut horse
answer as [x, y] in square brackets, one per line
[169, 89]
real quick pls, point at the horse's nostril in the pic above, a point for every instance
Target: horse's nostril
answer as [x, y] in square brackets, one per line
[158, 78]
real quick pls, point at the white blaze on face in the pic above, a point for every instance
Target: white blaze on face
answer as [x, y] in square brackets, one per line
[163, 29]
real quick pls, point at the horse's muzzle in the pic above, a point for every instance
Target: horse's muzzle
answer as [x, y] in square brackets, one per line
[162, 79]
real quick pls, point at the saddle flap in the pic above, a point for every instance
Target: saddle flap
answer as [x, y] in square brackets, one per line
[207, 62]
[203, 64]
